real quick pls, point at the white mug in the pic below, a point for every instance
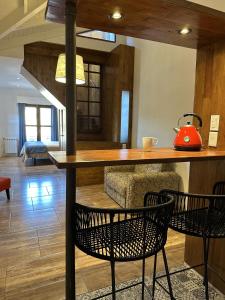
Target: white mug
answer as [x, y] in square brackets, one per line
[149, 142]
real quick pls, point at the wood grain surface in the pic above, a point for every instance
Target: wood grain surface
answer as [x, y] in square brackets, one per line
[209, 100]
[96, 158]
[157, 20]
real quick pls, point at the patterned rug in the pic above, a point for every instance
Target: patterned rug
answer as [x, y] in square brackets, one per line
[186, 286]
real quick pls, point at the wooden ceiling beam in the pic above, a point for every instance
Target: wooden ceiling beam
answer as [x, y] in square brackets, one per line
[157, 20]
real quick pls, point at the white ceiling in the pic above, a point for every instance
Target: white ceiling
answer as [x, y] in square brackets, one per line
[10, 74]
[216, 4]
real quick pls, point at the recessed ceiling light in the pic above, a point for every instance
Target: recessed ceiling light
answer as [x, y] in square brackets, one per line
[18, 78]
[116, 15]
[184, 31]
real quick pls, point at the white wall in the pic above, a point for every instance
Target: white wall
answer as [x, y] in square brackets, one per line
[215, 4]
[9, 121]
[164, 80]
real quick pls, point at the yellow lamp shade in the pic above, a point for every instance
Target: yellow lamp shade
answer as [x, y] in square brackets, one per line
[60, 75]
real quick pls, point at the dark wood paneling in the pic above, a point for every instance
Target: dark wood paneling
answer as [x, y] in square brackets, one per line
[89, 176]
[157, 20]
[118, 73]
[209, 99]
[40, 59]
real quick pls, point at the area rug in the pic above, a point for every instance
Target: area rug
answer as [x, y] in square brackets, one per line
[186, 286]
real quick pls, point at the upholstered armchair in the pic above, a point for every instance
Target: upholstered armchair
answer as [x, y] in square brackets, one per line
[127, 185]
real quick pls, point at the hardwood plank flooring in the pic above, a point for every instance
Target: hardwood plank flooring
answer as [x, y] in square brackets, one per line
[32, 237]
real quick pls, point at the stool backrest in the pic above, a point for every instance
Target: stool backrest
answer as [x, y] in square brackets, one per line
[123, 234]
[208, 209]
[219, 188]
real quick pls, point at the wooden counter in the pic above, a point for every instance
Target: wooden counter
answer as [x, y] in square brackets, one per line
[94, 158]
[203, 162]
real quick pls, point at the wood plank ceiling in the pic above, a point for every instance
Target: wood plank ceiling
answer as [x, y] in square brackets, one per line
[157, 20]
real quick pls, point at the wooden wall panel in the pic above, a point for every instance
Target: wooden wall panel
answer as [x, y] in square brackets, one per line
[209, 99]
[88, 176]
[119, 74]
[40, 59]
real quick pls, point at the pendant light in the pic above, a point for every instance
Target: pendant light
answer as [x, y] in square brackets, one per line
[60, 75]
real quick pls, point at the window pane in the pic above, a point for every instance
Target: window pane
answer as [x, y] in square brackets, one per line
[82, 93]
[82, 124]
[82, 108]
[125, 107]
[46, 116]
[94, 109]
[94, 94]
[86, 78]
[98, 34]
[31, 133]
[85, 67]
[94, 124]
[45, 134]
[94, 79]
[94, 68]
[30, 115]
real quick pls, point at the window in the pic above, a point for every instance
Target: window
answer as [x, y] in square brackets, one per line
[38, 123]
[125, 112]
[99, 35]
[89, 101]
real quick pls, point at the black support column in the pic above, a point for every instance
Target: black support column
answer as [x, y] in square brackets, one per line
[70, 16]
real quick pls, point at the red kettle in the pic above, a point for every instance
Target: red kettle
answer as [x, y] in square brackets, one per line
[188, 137]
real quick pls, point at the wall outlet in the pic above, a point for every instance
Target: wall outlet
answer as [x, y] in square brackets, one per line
[215, 122]
[213, 136]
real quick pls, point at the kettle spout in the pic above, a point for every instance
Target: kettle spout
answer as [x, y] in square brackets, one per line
[176, 130]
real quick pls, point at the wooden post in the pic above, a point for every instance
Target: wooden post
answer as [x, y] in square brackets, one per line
[70, 15]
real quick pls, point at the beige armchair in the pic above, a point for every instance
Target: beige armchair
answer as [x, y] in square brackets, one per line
[127, 185]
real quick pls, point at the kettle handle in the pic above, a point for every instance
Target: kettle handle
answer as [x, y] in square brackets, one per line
[192, 115]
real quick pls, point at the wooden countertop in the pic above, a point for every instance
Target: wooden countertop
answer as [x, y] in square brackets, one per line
[95, 158]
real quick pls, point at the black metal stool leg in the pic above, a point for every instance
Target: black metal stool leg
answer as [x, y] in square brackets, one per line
[113, 280]
[8, 194]
[167, 274]
[154, 276]
[206, 252]
[143, 280]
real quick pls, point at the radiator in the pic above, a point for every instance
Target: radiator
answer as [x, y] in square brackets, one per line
[10, 145]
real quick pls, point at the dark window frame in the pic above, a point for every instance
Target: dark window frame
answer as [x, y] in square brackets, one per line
[87, 117]
[38, 116]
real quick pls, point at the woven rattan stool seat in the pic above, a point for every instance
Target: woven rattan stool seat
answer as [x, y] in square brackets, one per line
[131, 239]
[200, 222]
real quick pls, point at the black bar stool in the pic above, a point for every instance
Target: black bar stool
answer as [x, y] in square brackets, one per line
[201, 216]
[119, 235]
[219, 188]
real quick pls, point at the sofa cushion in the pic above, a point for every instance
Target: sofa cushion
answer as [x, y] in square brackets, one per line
[148, 168]
[119, 181]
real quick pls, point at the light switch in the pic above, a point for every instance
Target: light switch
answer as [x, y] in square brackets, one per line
[215, 122]
[213, 136]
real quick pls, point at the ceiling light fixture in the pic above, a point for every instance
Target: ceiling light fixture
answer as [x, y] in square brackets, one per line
[184, 31]
[116, 15]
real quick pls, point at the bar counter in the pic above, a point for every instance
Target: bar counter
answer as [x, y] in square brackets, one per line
[207, 167]
[95, 158]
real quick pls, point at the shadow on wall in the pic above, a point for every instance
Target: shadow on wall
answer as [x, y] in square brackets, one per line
[183, 170]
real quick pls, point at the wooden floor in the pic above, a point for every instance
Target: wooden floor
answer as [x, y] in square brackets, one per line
[32, 237]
